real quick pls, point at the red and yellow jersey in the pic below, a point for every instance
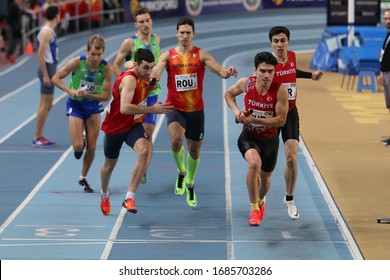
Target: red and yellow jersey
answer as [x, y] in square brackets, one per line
[263, 106]
[115, 122]
[185, 81]
[287, 75]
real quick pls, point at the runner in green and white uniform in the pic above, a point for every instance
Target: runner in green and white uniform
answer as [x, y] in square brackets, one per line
[89, 86]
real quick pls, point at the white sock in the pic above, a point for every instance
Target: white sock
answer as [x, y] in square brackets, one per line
[130, 195]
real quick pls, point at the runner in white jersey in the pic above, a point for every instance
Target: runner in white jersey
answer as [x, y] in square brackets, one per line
[47, 58]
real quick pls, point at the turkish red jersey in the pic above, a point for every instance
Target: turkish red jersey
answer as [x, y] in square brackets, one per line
[263, 106]
[287, 75]
[185, 81]
[115, 122]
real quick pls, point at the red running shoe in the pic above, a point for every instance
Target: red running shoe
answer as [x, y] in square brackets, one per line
[254, 218]
[129, 204]
[105, 205]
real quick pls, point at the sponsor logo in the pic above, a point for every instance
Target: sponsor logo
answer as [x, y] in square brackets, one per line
[161, 5]
[194, 7]
[251, 5]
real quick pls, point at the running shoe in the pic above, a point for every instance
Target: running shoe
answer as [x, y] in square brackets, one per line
[386, 142]
[254, 218]
[129, 204]
[262, 210]
[105, 205]
[86, 187]
[191, 197]
[78, 155]
[179, 186]
[43, 142]
[291, 209]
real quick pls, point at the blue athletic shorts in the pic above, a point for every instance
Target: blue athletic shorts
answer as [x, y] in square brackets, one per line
[83, 109]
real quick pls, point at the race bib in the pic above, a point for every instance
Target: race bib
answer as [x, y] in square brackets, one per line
[292, 90]
[186, 82]
[89, 86]
[261, 115]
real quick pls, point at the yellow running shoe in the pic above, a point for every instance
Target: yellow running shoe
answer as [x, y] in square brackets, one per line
[180, 184]
[191, 197]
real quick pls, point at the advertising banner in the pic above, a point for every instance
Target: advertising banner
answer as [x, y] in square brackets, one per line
[178, 8]
[272, 4]
[197, 7]
[157, 8]
[367, 12]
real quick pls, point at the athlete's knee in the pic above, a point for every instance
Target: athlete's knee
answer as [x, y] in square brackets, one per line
[78, 146]
[291, 159]
[254, 166]
[107, 168]
[143, 153]
[194, 153]
[176, 143]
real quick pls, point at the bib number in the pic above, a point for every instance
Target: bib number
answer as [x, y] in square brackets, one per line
[89, 86]
[186, 82]
[292, 90]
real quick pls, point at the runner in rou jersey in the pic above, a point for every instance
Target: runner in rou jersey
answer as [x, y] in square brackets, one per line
[265, 109]
[286, 72]
[185, 66]
[89, 86]
[123, 124]
[143, 38]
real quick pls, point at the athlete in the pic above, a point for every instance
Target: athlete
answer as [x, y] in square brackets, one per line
[186, 65]
[123, 124]
[286, 72]
[89, 86]
[267, 102]
[47, 56]
[143, 38]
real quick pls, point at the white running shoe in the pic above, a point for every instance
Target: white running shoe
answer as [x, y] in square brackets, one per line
[291, 209]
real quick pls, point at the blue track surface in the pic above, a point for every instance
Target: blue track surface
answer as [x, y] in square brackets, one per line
[45, 215]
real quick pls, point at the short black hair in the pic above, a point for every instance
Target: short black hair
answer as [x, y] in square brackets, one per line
[51, 12]
[185, 21]
[277, 30]
[143, 54]
[266, 57]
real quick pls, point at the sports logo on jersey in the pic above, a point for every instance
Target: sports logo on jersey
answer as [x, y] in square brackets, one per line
[194, 7]
[251, 5]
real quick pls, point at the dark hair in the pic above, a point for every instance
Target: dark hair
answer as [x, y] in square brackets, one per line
[143, 54]
[185, 21]
[51, 12]
[266, 57]
[277, 30]
[140, 11]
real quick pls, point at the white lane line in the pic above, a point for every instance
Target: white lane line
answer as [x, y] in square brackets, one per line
[35, 190]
